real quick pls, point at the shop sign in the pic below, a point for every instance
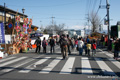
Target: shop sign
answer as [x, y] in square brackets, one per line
[10, 25]
[35, 28]
[2, 34]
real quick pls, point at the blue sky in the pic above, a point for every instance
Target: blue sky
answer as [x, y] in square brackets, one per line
[70, 12]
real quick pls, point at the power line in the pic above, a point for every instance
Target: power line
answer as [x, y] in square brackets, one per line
[60, 18]
[97, 9]
[103, 19]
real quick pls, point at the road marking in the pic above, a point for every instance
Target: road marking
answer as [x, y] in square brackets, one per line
[48, 68]
[68, 66]
[116, 63]
[5, 59]
[33, 66]
[106, 70]
[19, 64]
[110, 55]
[9, 62]
[86, 68]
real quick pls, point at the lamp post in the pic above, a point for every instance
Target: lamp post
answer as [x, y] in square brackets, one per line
[23, 10]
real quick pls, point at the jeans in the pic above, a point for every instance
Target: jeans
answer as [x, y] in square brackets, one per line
[52, 49]
[44, 49]
[116, 53]
[69, 49]
[88, 51]
[37, 49]
[93, 52]
[80, 51]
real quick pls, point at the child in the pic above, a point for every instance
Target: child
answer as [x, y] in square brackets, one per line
[93, 48]
[88, 48]
[85, 48]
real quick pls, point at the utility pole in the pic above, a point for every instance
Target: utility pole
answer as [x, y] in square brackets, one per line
[108, 19]
[4, 16]
[52, 19]
[88, 20]
[52, 24]
[4, 23]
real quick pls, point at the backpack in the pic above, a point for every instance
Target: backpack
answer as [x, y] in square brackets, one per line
[44, 43]
[69, 41]
[64, 42]
[93, 46]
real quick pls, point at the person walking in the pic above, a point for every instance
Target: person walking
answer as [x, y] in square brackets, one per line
[80, 46]
[38, 44]
[69, 44]
[76, 43]
[52, 44]
[88, 48]
[116, 49]
[85, 48]
[94, 48]
[44, 44]
[64, 47]
[72, 43]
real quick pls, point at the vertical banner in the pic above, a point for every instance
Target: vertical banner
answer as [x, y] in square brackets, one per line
[2, 34]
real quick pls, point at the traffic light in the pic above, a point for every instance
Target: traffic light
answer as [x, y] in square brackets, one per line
[105, 22]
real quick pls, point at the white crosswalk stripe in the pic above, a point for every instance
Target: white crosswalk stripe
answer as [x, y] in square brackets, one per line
[12, 61]
[5, 59]
[106, 70]
[68, 66]
[19, 64]
[51, 65]
[33, 66]
[86, 68]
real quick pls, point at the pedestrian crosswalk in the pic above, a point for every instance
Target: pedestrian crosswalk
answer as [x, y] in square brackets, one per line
[68, 67]
[86, 68]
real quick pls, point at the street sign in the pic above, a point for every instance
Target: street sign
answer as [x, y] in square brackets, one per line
[2, 34]
[10, 25]
[35, 28]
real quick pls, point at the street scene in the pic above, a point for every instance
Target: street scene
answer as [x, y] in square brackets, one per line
[47, 66]
[59, 40]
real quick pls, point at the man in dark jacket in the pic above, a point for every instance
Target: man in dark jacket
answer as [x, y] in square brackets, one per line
[38, 44]
[52, 44]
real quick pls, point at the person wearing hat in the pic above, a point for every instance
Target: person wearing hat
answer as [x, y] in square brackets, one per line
[64, 48]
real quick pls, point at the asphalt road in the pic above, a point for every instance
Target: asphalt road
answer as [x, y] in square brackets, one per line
[41, 66]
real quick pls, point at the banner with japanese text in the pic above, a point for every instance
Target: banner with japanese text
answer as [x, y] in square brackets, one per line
[2, 34]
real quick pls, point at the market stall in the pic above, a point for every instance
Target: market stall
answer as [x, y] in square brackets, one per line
[21, 41]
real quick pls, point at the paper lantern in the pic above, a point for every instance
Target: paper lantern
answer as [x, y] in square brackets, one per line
[17, 30]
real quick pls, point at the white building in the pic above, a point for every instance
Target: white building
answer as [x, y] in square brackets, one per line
[80, 33]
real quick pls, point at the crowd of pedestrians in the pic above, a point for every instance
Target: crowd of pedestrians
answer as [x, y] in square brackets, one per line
[80, 44]
[113, 45]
